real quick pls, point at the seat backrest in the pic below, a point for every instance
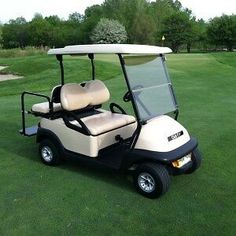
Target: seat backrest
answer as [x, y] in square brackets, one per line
[74, 97]
[98, 92]
[55, 94]
[77, 96]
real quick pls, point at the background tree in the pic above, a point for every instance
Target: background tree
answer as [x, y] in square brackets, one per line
[177, 30]
[1, 26]
[134, 15]
[76, 17]
[109, 31]
[159, 10]
[72, 29]
[145, 22]
[40, 31]
[15, 33]
[142, 28]
[221, 31]
[92, 16]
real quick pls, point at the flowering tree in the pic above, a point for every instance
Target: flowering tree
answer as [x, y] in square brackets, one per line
[109, 31]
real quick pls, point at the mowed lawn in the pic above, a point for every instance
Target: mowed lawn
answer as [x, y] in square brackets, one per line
[75, 199]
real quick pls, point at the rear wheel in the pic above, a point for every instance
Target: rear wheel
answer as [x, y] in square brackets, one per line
[49, 153]
[196, 161]
[151, 180]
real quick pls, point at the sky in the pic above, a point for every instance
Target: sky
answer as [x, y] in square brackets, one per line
[11, 9]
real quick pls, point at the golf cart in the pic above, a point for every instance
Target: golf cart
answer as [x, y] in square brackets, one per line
[150, 144]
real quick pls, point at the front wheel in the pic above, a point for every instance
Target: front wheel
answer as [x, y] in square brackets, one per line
[151, 180]
[196, 161]
[49, 153]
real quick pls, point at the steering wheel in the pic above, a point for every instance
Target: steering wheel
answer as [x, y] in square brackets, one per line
[114, 106]
[127, 96]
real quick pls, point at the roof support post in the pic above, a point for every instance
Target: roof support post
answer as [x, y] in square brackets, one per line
[91, 57]
[60, 59]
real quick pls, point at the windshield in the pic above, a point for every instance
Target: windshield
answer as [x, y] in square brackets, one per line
[150, 85]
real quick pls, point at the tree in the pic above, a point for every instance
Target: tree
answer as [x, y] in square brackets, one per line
[92, 16]
[197, 35]
[134, 15]
[177, 30]
[109, 31]
[1, 26]
[142, 29]
[15, 33]
[75, 17]
[221, 31]
[40, 31]
[53, 20]
[159, 10]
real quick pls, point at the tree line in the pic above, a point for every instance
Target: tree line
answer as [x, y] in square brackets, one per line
[160, 22]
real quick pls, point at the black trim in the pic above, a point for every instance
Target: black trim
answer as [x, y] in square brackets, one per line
[60, 59]
[56, 94]
[91, 57]
[141, 155]
[176, 114]
[178, 171]
[109, 157]
[113, 105]
[48, 134]
[83, 129]
[120, 157]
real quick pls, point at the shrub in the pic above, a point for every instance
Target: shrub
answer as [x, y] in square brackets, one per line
[109, 31]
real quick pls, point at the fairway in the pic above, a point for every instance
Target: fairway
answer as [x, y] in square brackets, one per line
[75, 199]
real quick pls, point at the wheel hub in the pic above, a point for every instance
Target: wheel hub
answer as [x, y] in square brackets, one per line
[47, 154]
[146, 182]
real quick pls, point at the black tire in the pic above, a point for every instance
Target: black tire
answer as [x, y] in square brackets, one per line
[151, 180]
[48, 152]
[196, 161]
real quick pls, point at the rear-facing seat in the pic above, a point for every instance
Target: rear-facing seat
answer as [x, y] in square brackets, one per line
[93, 93]
[43, 107]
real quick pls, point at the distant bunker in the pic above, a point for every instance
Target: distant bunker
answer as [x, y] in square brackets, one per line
[4, 77]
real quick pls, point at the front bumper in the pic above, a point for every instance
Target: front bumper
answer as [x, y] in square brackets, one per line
[136, 156]
[178, 171]
[167, 157]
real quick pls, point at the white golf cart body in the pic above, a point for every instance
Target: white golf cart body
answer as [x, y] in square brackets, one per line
[153, 136]
[74, 120]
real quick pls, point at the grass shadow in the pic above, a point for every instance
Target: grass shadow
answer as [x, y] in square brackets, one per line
[27, 148]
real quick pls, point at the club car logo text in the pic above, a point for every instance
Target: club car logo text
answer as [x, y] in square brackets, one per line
[175, 136]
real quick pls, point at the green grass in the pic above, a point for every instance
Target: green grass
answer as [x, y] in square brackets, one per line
[74, 199]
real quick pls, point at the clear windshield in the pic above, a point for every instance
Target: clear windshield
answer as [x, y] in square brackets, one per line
[150, 85]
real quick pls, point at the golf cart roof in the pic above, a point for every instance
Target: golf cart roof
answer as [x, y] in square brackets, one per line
[109, 49]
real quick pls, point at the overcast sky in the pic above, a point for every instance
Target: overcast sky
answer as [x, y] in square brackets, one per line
[11, 9]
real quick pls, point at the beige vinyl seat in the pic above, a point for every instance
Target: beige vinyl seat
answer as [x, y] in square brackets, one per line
[43, 107]
[93, 93]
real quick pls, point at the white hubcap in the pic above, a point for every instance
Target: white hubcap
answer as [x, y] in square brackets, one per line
[47, 154]
[146, 182]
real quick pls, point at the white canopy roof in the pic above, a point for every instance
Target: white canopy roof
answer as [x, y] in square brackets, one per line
[109, 48]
